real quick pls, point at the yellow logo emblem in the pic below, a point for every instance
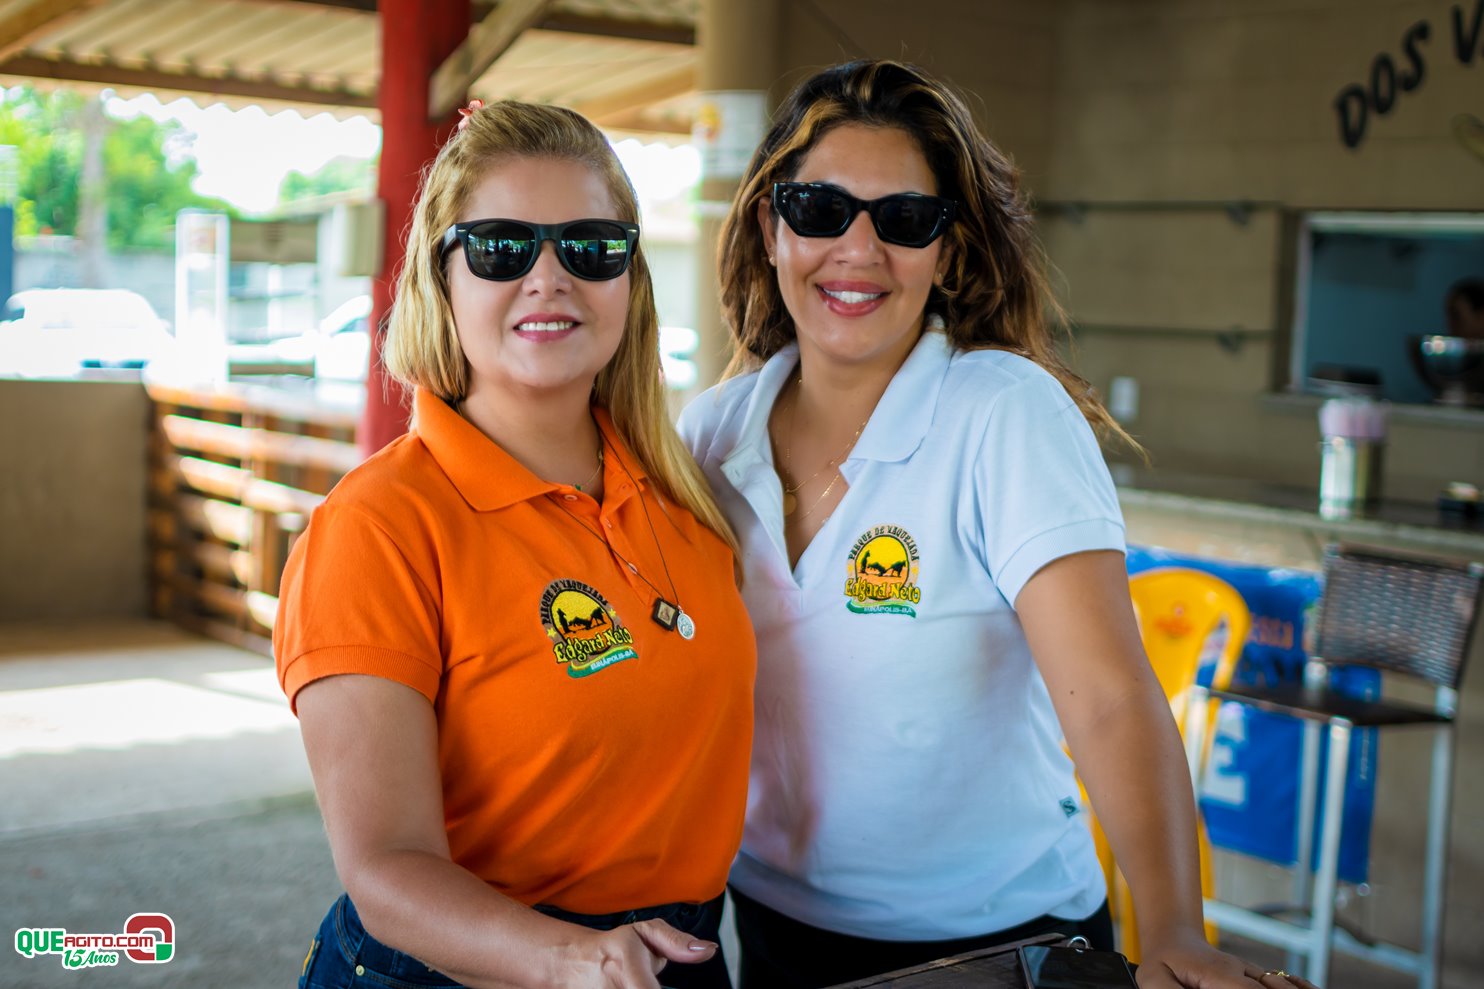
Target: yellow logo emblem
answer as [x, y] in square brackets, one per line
[585, 632]
[882, 573]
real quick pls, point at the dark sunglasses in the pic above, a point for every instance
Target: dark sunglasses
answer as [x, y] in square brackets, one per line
[499, 250]
[907, 218]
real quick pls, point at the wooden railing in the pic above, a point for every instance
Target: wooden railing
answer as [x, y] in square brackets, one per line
[235, 473]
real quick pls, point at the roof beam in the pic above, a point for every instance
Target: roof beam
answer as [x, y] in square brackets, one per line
[109, 74]
[487, 41]
[619, 27]
[617, 103]
[635, 121]
[23, 26]
[364, 6]
[567, 22]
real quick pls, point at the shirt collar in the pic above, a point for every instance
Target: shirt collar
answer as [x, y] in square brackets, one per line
[903, 416]
[899, 423]
[485, 475]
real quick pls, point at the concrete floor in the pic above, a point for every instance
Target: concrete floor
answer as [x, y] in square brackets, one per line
[143, 769]
[146, 770]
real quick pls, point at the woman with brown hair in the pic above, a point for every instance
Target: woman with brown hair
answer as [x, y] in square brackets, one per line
[933, 550]
[513, 639]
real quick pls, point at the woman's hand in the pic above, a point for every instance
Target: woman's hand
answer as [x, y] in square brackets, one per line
[1190, 963]
[628, 957]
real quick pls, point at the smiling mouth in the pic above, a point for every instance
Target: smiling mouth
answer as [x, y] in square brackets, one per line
[852, 298]
[545, 327]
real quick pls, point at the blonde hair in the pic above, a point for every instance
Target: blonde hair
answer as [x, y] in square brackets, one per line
[994, 292]
[422, 348]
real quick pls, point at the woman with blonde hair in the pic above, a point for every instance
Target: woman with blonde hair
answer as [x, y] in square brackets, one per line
[521, 665]
[933, 550]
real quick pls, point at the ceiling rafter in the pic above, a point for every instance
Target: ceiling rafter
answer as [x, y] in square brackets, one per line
[619, 27]
[621, 63]
[18, 29]
[675, 82]
[569, 22]
[110, 74]
[487, 41]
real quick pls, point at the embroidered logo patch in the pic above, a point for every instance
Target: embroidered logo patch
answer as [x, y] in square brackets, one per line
[882, 573]
[585, 632]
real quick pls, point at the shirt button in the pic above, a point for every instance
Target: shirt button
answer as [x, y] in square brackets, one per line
[569, 497]
[360, 970]
[608, 523]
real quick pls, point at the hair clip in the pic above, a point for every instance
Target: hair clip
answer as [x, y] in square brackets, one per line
[465, 112]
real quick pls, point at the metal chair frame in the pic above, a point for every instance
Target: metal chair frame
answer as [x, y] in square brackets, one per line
[1403, 615]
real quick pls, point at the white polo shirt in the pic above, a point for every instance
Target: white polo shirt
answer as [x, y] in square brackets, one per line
[908, 780]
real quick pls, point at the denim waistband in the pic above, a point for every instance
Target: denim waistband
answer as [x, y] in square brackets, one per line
[392, 967]
[689, 917]
[359, 947]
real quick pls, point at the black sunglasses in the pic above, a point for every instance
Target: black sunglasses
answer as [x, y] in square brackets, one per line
[499, 250]
[909, 219]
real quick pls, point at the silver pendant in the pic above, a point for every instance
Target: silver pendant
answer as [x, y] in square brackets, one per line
[685, 626]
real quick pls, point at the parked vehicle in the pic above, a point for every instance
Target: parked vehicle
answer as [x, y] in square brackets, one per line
[61, 331]
[339, 349]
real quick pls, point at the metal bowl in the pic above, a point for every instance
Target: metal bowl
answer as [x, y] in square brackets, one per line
[1452, 366]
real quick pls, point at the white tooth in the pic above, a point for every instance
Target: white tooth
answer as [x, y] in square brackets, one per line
[545, 327]
[853, 297]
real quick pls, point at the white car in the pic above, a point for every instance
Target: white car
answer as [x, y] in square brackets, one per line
[56, 332]
[340, 349]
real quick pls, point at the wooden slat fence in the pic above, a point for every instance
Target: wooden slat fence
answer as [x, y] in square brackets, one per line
[234, 476]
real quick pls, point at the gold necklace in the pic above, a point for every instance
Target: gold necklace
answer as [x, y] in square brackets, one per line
[593, 476]
[667, 612]
[790, 501]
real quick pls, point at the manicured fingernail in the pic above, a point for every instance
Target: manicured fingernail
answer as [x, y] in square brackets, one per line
[701, 945]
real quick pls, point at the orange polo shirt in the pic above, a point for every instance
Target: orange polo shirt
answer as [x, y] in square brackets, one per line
[591, 759]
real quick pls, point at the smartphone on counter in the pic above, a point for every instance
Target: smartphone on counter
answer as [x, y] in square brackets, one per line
[1047, 967]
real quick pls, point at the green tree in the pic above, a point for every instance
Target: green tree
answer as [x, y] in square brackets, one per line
[42, 127]
[337, 175]
[145, 189]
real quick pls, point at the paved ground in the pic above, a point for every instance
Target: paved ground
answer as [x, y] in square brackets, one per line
[143, 769]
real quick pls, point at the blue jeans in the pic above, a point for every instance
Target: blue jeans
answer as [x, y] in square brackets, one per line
[343, 955]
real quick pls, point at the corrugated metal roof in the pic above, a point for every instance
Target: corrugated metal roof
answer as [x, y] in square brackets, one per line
[627, 63]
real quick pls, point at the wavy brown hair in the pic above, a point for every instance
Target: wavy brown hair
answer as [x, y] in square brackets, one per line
[994, 292]
[422, 348]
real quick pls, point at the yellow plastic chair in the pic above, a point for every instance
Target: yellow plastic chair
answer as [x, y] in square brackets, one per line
[1178, 610]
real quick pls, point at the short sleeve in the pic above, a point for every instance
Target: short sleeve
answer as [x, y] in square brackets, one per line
[1043, 488]
[694, 431]
[350, 602]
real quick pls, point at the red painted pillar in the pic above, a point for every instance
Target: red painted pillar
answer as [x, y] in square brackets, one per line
[416, 36]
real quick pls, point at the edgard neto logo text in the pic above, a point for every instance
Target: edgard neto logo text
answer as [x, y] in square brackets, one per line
[147, 938]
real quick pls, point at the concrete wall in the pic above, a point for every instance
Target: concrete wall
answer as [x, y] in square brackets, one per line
[1161, 107]
[72, 500]
[1001, 52]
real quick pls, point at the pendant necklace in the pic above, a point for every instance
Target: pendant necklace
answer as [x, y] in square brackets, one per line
[790, 491]
[667, 612]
